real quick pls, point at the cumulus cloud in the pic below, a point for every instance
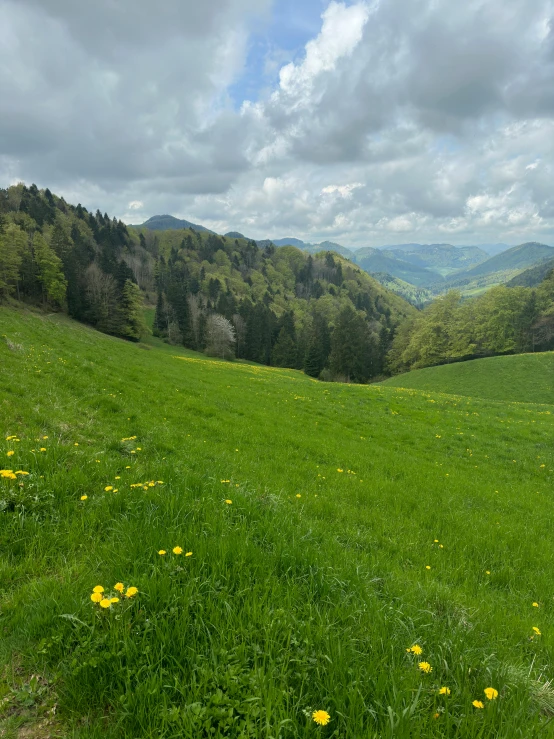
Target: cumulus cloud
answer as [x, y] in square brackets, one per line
[419, 119]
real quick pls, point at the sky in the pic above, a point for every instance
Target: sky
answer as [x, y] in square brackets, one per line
[363, 123]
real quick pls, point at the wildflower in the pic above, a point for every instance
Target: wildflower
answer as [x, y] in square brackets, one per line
[436, 715]
[108, 488]
[444, 691]
[10, 453]
[119, 586]
[114, 600]
[321, 717]
[491, 693]
[21, 472]
[478, 704]
[436, 541]
[162, 552]
[228, 502]
[96, 597]
[42, 449]
[535, 605]
[487, 572]
[76, 443]
[425, 667]
[177, 550]
[340, 470]
[427, 567]
[105, 603]
[8, 474]
[131, 591]
[84, 497]
[188, 554]
[536, 630]
[298, 495]
[98, 589]
[117, 477]
[416, 649]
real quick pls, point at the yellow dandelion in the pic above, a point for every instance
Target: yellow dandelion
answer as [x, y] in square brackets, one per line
[535, 605]
[84, 497]
[114, 600]
[10, 453]
[98, 589]
[76, 443]
[340, 470]
[131, 591]
[425, 667]
[478, 704]
[188, 554]
[444, 691]
[228, 502]
[491, 693]
[298, 495]
[321, 717]
[108, 488]
[177, 550]
[427, 567]
[96, 597]
[536, 630]
[117, 477]
[20, 472]
[435, 541]
[119, 586]
[162, 552]
[416, 649]
[105, 603]
[42, 449]
[487, 572]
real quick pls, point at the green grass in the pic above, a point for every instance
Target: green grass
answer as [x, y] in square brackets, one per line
[524, 378]
[302, 594]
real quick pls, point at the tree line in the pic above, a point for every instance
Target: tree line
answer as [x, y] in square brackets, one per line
[64, 258]
[503, 320]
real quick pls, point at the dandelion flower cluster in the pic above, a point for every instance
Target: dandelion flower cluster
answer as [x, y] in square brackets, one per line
[104, 600]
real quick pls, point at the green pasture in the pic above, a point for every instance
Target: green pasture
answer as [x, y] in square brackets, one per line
[523, 378]
[329, 528]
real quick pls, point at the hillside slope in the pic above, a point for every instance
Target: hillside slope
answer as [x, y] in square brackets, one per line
[374, 260]
[518, 257]
[295, 547]
[526, 378]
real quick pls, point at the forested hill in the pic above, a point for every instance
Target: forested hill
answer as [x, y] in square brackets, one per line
[287, 308]
[222, 295]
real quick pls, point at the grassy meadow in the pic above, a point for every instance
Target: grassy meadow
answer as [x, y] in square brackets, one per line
[380, 554]
[523, 378]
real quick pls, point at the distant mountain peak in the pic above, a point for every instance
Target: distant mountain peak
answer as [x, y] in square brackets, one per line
[167, 223]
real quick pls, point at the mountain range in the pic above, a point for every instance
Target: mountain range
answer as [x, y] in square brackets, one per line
[416, 271]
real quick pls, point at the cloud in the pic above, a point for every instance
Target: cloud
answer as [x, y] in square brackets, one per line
[419, 118]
